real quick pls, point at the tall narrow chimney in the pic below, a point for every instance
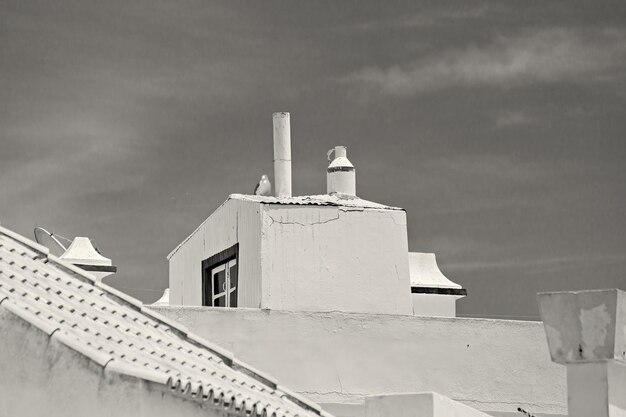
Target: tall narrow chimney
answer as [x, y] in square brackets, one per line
[282, 155]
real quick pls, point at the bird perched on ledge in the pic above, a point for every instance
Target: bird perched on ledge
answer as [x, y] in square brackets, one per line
[264, 187]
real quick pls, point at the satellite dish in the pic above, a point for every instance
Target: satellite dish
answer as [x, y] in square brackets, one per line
[57, 244]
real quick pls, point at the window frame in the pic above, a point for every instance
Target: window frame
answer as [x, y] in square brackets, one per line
[212, 262]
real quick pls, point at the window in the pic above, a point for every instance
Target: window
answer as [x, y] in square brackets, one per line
[220, 278]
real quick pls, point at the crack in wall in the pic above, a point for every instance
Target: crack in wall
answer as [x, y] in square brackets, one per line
[302, 224]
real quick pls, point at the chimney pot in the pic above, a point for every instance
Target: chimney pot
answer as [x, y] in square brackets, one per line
[340, 174]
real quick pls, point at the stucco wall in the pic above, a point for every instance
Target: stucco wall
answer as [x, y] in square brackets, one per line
[320, 258]
[339, 358]
[235, 221]
[40, 376]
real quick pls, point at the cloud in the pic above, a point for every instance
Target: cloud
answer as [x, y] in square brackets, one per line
[513, 119]
[533, 56]
[424, 19]
[540, 265]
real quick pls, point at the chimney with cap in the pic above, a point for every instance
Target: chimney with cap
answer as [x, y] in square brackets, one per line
[340, 174]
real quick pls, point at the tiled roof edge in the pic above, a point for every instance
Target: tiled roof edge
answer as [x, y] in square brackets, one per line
[217, 398]
[255, 373]
[226, 355]
[133, 302]
[300, 400]
[180, 328]
[99, 357]
[137, 372]
[72, 268]
[27, 316]
[32, 244]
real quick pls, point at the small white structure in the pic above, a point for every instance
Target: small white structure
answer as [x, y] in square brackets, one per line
[164, 300]
[340, 174]
[586, 332]
[82, 254]
[431, 292]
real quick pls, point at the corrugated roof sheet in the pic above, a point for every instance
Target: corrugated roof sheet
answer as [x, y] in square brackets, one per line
[121, 335]
[339, 200]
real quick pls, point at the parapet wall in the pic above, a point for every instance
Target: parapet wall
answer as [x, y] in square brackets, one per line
[337, 359]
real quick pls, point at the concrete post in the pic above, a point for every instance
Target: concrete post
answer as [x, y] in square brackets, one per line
[586, 332]
[282, 154]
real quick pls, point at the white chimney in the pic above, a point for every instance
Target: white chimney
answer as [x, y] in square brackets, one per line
[282, 155]
[82, 254]
[340, 175]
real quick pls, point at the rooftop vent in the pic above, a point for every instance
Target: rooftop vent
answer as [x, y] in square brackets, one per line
[82, 254]
[340, 174]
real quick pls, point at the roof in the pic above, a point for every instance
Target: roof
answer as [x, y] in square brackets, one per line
[121, 335]
[427, 278]
[339, 200]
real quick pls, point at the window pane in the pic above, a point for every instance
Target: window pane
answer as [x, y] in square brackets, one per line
[219, 284]
[233, 284]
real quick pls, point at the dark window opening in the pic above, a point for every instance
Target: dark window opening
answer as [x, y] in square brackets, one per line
[220, 278]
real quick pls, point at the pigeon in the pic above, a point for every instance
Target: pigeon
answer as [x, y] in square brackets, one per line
[264, 187]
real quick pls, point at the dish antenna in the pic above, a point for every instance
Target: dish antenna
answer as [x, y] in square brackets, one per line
[57, 244]
[81, 252]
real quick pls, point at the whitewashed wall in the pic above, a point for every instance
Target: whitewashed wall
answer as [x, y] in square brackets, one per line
[339, 358]
[235, 221]
[321, 258]
[302, 257]
[40, 376]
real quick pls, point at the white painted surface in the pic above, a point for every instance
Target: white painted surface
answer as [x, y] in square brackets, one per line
[436, 305]
[319, 258]
[423, 404]
[426, 273]
[282, 154]
[164, 300]
[596, 389]
[585, 331]
[42, 377]
[340, 175]
[81, 251]
[338, 358]
[584, 326]
[235, 221]
[302, 257]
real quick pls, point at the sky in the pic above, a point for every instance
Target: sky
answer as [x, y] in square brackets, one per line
[499, 127]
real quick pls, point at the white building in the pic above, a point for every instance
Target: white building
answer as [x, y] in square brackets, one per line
[340, 309]
[319, 291]
[331, 252]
